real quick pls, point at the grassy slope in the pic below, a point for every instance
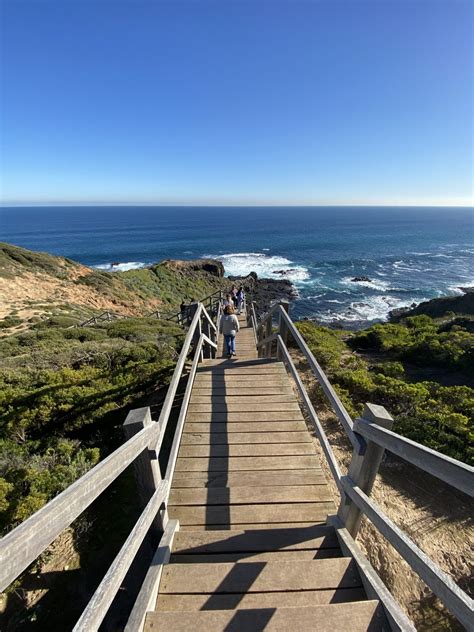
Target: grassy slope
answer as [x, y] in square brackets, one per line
[382, 365]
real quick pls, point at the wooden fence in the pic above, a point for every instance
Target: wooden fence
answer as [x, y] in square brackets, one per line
[370, 436]
[21, 547]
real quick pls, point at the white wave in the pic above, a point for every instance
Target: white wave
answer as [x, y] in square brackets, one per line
[370, 309]
[373, 285]
[121, 267]
[455, 289]
[266, 266]
[312, 297]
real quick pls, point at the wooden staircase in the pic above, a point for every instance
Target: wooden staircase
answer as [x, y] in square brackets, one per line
[253, 551]
[240, 504]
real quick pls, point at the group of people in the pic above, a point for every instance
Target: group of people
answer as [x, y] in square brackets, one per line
[229, 325]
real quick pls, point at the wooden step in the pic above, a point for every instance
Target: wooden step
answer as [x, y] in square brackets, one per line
[245, 416]
[307, 538]
[222, 464]
[360, 616]
[240, 379]
[256, 577]
[248, 449]
[236, 390]
[247, 479]
[233, 401]
[250, 495]
[235, 515]
[268, 556]
[179, 603]
[239, 438]
[270, 427]
[243, 406]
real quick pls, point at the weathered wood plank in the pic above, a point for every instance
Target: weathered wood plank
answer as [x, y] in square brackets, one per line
[243, 406]
[374, 587]
[249, 495]
[268, 556]
[241, 391]
[240, 379]
[219, 464]
[233, 401]
[248, 479]
[357, 617]
[312, 538]
[272, 427]
[457, 601]
[237, 514]
[22, 546]
[146, 599]
[256, 577]
[101, 600]
[248, 449]
[181, 603]
[230, 417]
[455, 473]
[234, 438]
[252, 526]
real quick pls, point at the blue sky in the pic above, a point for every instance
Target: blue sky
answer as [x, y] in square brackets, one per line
[291, 102]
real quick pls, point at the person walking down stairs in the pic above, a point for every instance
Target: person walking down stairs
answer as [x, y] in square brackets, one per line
[229, 326]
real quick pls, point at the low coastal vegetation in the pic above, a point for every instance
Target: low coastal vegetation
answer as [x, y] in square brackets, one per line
[419, 369]
[65, 389]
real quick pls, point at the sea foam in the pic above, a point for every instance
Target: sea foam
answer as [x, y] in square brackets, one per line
[266, 266]
[121, 267]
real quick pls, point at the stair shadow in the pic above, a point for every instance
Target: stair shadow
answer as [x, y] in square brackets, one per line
[214, 450]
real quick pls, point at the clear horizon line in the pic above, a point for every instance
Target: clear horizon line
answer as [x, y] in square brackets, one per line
[71, 204]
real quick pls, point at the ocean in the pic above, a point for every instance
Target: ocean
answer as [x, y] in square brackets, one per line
[409, 254]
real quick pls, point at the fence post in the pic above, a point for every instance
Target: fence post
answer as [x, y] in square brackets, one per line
[206, 330]
[146, 466]
[363, 468]
[283, 327]
[197, 334]
[268, 332]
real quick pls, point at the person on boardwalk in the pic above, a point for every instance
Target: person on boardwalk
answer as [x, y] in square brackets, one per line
[233, 293]
[229, 327]
[240, 299]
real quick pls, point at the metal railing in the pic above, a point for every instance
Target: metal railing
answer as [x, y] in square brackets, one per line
[21, 547]
[370, 436]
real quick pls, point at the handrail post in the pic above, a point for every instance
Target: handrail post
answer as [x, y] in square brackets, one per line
[146, 466]
[365, 463]
[283, 327]
[268, 332]
[198, 331]
[206, 330]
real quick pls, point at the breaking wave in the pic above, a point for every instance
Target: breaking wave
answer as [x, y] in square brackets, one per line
[266, 266]
[120, 267]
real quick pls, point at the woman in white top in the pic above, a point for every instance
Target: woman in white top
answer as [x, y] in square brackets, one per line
[229, 326]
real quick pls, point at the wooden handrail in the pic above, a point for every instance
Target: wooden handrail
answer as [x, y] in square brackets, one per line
[101, 600]
[455, 599]
[25, 543]
[371, 438]
[455, 473]
[22, 546]
[322, 378]
[328, 453]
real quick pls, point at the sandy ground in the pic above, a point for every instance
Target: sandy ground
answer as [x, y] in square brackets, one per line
[34, 294]
[435, 516]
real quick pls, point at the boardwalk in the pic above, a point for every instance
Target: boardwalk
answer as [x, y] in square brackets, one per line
[253, 551]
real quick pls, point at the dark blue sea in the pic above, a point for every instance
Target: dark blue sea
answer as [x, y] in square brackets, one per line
[409, 254]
